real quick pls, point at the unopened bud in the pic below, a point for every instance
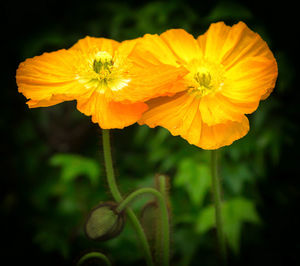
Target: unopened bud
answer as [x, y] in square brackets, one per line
[104, 222]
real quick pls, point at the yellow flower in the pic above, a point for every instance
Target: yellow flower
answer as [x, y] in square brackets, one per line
[229, 70]
[98, 73]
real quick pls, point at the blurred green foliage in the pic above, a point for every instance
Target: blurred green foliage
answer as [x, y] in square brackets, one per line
[58, 173]
[235, 211]
[73, 165]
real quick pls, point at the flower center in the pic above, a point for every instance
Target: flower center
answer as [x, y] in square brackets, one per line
[204, 77]
[103, 74]
[103, 65]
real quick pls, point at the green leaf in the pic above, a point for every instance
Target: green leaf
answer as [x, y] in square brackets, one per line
[73, 165]
[235, 212]
[195, 179]
[206, 220]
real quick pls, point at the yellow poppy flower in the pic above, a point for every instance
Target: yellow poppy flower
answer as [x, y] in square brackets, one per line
[230, 69]
[98, 74]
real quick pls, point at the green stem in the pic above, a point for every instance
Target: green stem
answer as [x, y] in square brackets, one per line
[118, 197]
[109, 166]
[159, 234]
[94, 255]
[164, 216]
[216, 189]
[162, 186]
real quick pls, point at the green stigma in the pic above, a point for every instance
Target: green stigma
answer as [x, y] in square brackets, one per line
[103, 64]
[204, 80]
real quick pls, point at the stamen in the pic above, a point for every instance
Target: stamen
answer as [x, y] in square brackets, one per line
[204, 78]
[104, 74]
[103, 64]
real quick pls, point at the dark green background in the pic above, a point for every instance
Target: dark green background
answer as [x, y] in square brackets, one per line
[44, 201]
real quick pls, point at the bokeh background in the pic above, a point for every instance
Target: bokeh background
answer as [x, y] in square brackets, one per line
[52, 164]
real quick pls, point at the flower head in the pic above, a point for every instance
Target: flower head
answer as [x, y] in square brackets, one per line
[229, 70]
[98, 73]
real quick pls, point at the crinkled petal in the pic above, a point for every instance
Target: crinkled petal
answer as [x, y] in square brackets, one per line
[211, 43]
[110, 114]
[156, 81]
[217, 109]
[55, 99]
[250, 67]
[183, 44]
[228, 45]
[181, 115]
[243, 43]
[148, 75]
[88, 44]
[152, 49]
[250, 80]
[50, 78]
[216, 136]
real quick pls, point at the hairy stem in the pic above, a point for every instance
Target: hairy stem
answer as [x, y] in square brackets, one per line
[118, 197]
[164, 217]
[92, 255]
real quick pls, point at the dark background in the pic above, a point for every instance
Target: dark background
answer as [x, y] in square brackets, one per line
[43, 207]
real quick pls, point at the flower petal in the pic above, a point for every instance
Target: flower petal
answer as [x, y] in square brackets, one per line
[216, 136]
[216, 109]
[109, 114]
[55, 99]
[211, 43]
[183, 44]
[155, 81]
[250, 67]
[87, 44]
[243, 43]
[151, 49]
[125, 49]
[250, 80]
[181, 115]
[50, 78]
[228, 45]
[147, 74]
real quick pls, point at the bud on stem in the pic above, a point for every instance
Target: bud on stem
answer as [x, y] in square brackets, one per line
[104, 222]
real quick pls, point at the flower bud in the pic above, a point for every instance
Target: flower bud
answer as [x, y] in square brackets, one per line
[149, 215]
[104, 222]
